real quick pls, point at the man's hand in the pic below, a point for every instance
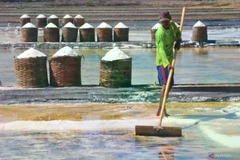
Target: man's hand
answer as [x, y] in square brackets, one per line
[177, 45]
[170, 67]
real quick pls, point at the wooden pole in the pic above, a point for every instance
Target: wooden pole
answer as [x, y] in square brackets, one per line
[170, 73]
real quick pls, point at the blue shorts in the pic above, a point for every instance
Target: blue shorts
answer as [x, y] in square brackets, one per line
[163, 76]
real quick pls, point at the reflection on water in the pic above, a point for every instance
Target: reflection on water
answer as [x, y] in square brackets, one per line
[193, 65]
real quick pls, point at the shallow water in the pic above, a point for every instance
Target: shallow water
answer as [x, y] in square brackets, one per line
[96, 137]
[193, 65]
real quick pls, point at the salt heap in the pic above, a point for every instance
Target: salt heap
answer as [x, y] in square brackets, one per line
[121, 25]
[31, 53]
[51, 25]
[156, 26]
[69, 25]
[115, 54]
[199, 24]
[67, 16]
[53, 16]
[41, 16]
[29, 25]
[104, 25]
[78, 16]
[25, 16]
[65, 51]
[86, 25]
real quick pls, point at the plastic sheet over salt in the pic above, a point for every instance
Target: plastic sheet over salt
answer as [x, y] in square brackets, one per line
[86, 25]
[65, 51]
[29, 25]
[70, 25]
[115, 54]
[31, 53]
[104, 25]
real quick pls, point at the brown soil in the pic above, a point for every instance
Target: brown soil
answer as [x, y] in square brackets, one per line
[131, 10]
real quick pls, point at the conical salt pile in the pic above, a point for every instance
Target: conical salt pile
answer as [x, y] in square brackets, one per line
[115, 69]
[65, 68]
[115, 54]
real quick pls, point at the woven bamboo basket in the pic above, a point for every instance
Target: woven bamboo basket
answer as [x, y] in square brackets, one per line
[29, 34]
[66, 20]
[41, 22]
[199, 34]
[78, 22]
[153, 31]
[116, 73]
[31, 72]
[69, 34]
[24, 21]
[87, 35]
[51, 34]
[121, 34]
[104, 34]
[65, 71]
[54, 21]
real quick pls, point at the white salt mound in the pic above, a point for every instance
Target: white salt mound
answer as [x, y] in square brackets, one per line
[156, 26]
[31, 53]
[67, 16]
[121, 25]
[104, 25]
[199, 24]
[65, 51]
[41, 16]
[29, 25]
[25, 16]
[51, 25]
[86, 25]
[115, 54]
[78, 16]
[69, 25]
[53, 16]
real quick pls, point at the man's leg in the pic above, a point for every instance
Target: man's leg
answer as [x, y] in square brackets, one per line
[161, 101]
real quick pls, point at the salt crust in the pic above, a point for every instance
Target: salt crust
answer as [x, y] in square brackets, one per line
[69, 25]
[53, 16]
[31, 53]
[65, 51]
[29, 25]
[86, 25]
[104, 25]
[41, 16]
[115, 54]
[25, 16]
[51, 25]
[199, 24]
[121, 25]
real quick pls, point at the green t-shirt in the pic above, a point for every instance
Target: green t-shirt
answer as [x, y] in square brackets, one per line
[165, 39]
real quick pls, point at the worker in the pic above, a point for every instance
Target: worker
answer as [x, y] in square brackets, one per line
[167, 37]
